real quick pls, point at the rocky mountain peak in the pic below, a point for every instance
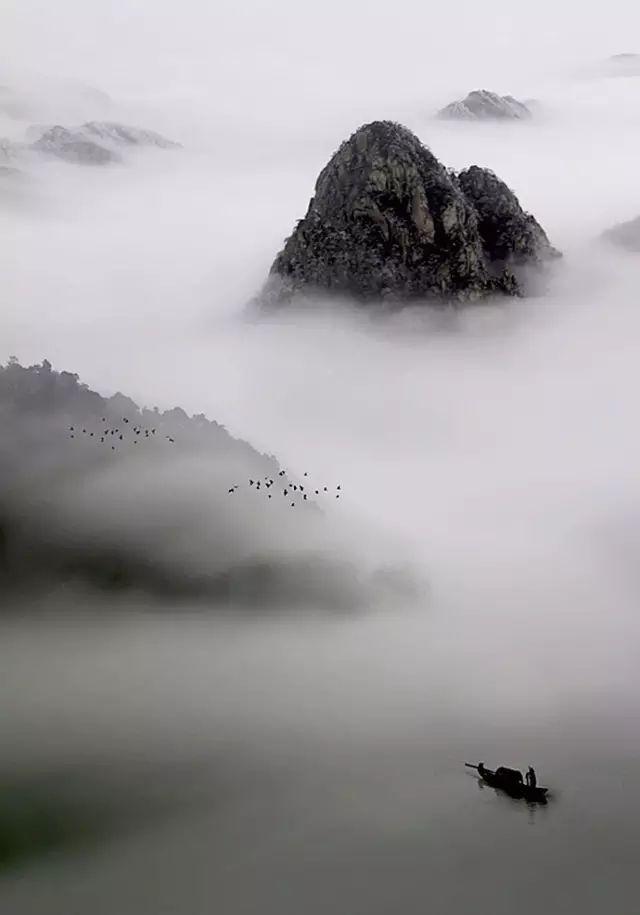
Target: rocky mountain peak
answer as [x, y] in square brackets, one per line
[388, 220]
[481, 104]
[96, 142]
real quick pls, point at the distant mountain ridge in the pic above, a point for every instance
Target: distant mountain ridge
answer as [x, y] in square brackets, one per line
[96, 142]
[92, 143]
[39, 461]
[39, 393]
[483, 105]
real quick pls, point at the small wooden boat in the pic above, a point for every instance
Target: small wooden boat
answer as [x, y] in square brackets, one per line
[510, 781]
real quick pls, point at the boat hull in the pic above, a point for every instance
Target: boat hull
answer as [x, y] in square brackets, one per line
[535, 795]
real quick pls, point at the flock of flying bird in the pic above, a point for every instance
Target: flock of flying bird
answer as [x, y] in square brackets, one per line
[289, 489]
[111, 436]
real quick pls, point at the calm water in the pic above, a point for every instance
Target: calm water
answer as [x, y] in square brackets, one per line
[279, 767]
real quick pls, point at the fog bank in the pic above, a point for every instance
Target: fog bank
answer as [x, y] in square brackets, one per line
[314, 761]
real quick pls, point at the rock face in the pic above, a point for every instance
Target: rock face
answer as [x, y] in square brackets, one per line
[96, 142]
[509, 235]
[389, 221]
[482, 105]
[625, 235]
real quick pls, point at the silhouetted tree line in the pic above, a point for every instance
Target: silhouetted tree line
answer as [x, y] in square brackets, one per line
[39, 391]
[38, 406]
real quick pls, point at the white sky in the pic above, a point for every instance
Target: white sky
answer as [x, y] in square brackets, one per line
[138, 43]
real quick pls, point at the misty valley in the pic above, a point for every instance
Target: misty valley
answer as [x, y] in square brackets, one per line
[319, 503]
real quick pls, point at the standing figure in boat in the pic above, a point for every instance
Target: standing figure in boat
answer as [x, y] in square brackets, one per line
[532, 781]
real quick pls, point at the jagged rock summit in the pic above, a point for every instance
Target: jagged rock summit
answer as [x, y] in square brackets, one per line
[389, 221]
[96, 142]
[482, 105]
